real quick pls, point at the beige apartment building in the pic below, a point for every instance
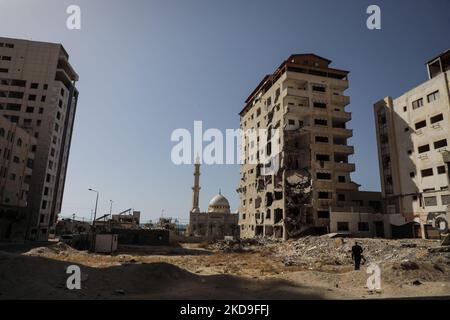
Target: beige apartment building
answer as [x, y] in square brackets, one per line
[295, 177]
[16, 163]
[37, 92]
[413, 132]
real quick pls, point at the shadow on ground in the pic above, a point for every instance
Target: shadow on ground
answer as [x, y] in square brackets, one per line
[26, 277]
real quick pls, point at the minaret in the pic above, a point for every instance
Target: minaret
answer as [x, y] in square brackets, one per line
[196, 187]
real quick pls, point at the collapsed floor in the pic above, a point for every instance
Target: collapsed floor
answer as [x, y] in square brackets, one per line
[310, 267]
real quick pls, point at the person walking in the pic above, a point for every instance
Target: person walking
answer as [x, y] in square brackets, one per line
[357, 251]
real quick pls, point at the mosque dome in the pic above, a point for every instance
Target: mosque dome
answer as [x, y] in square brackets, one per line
[219, 204]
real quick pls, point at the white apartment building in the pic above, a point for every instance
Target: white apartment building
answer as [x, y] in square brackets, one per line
[413, 135]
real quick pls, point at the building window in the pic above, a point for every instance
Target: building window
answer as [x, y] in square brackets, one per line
[363, 226]
[323, 195]
[322, 157]
[433, 96]
[405, 108]
[323, 175]
[412, 174]
[423, 148]
[32, 97]
[321, 139]
[45, 86]
[34, 86]
[436, 118]
[440, 144]
[445, 199]
[341, 197]
[320, 122]
[30, 109]
[430, 201]
[323, 214]
[320, 105]
[417, 104]
[341, 179]
[420, 124]
[342, 226]
[426, 172]
[441, 169]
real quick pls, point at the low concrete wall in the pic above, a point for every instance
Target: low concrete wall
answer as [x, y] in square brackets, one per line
[152, 237]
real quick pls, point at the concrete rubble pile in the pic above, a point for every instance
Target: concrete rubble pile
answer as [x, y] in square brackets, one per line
[323, 250]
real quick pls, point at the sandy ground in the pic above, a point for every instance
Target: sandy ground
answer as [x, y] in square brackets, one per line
[192, 272]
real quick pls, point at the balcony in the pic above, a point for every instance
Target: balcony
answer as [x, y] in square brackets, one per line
[346, 186]
[346, 167]
[344, 149]
[340, 100]
[342, 132]
[323, 184]
[342, 115]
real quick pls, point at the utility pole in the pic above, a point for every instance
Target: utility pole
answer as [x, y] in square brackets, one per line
[93, 221]
[110, 209]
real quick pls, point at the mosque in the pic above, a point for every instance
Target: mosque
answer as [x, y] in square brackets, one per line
[218, 222]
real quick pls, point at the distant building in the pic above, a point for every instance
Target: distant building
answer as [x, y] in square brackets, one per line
[215, 224]
[70, 226]
[123, 220]
[413, 133]
[16, 163]
[37, 92]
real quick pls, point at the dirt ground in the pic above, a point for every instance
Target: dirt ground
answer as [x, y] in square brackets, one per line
[307, 268]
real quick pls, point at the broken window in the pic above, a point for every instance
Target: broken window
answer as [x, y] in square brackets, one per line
[323, 195]
[322, 157]
[322, 214]
[278, 215]
[324, 175]
[363, 226]
[320, 122]
[342, 226]
[320, 105]
[321, 139]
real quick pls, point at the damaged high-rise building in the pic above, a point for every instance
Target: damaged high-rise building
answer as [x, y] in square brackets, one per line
[291, 185]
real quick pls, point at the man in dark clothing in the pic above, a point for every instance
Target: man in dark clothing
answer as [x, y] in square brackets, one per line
[357, 255]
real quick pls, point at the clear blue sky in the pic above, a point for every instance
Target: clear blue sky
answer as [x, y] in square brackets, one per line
[149, 67]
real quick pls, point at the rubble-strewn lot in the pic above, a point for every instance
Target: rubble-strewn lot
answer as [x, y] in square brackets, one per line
[310, 267]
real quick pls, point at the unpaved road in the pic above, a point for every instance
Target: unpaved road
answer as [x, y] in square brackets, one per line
[190, 272]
